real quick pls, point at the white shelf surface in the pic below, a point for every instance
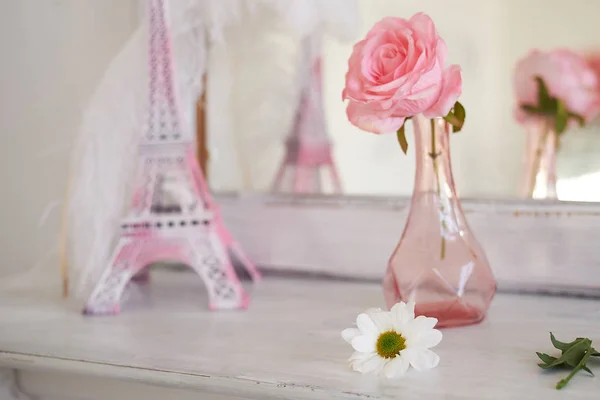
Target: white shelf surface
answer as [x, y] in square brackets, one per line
[288, 344]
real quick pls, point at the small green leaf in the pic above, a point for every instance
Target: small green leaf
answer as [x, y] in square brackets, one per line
[402, 139]
[451, 118]
[573, 355]
[580, 120]
[558, 362]
[586, 369]
[531, 109]
[562, 118]
[547, 359]
[456, 117]
[594, 352]
[544, 99]
[461, 115]
[550, 107]
[561, 345]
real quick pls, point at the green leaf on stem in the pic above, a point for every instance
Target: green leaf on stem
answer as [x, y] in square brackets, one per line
[461, 115]
[531, 109]
[561, 345]
[548, 360]
[573, 355]
[544, 99]
[551, 107]
[402, 139]
[580, 120]
[456, 117]
[562, 118]
[581, 365]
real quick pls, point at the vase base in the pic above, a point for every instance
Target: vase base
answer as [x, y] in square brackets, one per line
[451, 313]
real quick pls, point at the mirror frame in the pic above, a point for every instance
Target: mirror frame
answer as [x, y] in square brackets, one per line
[533, 246]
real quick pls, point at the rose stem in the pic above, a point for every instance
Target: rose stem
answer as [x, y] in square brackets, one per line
[563, 382]
[537, 160]
[439, 189]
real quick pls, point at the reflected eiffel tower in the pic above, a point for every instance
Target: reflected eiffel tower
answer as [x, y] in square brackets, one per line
[308, 156]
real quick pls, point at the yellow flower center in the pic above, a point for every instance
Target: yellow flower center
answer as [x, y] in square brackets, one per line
[389, 344]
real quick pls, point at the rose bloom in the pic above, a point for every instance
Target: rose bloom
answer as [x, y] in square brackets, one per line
[399, 71]
[593, 60]
[568, 77]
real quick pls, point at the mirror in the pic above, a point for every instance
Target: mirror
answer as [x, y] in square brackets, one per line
[486, 38]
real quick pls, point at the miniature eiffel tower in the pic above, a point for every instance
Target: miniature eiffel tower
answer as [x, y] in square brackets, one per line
[308, 149]
[172, 217]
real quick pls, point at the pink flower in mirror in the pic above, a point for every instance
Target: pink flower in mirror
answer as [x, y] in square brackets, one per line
[542, 80]
[593, 60]
[398, 71]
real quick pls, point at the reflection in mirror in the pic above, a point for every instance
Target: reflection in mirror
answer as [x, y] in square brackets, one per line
[289, 137]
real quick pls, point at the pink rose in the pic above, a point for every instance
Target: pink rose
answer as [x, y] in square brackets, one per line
[567, 76]
[593, 60]
[398, 71]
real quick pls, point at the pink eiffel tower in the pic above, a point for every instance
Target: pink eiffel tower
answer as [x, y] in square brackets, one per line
[172, 217]
[308, 148]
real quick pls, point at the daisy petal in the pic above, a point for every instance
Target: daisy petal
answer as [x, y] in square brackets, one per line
[396, 368]
[358, 359]
[373, 365]
[349, 334]
[366, 325]
[364, 343]
[426, 339]
[383, 321]
[402, 313]
[423, 323]
[421, 359]
[357, 355]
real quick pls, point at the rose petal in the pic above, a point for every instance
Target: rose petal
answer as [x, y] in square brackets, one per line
[450, 92]
[367, 119]
[423, 25]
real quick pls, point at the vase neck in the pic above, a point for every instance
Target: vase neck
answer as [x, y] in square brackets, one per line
[432, 147]
[539, 179]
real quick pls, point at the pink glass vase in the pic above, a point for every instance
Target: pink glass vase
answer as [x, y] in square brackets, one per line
[438, 263]
[539, 176]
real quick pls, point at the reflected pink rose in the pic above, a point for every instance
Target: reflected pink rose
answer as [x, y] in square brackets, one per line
[399, 71]
[593, 60]
[568, 77]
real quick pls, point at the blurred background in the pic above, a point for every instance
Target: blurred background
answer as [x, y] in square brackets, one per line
[54, 52]
[486, 38]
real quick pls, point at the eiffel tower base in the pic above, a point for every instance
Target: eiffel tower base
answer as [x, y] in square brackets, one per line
[201, 249]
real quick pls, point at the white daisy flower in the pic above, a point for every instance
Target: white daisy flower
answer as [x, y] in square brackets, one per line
[389, 342]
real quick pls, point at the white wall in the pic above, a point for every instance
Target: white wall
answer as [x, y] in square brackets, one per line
[53, 52]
